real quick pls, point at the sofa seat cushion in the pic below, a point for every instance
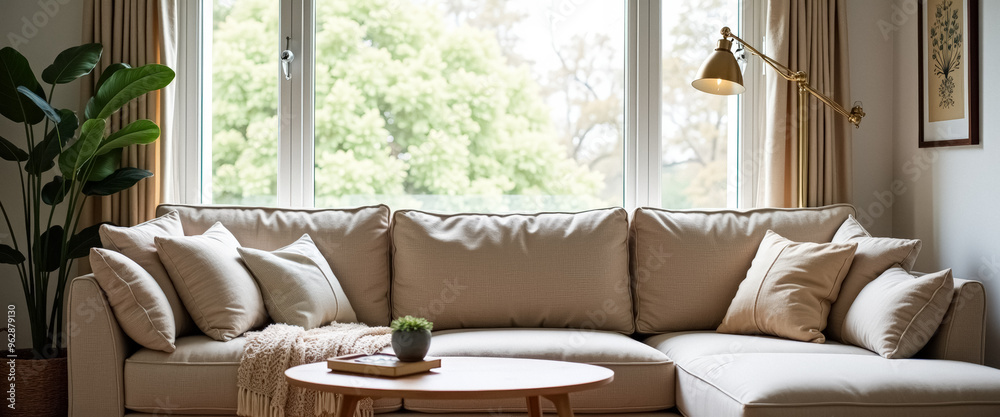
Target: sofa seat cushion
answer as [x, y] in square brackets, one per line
[199, 377]
[799, 384]
[682, 347]
[644, 377]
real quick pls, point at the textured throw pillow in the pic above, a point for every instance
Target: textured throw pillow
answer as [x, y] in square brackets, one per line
[789, 288]
[874, 256]
[897, 313]
[212, 282]
[137, 244]
[298, 286]
[136, 299]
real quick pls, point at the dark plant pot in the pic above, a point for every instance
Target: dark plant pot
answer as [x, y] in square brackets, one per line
[411, 346]
[40, 387]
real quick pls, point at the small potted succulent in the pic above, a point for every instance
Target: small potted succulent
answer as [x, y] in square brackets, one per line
[411, 338]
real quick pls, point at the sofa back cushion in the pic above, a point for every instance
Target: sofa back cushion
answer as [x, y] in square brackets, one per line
[355, 242]
[688, 264]
[538, 270]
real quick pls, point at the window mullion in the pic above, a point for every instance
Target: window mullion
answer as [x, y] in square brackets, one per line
[653, 80]
[631, 173]
[285, 108]
[188, 179]
[643, 147]
[751, 106]
[307, 77]
[295, 105]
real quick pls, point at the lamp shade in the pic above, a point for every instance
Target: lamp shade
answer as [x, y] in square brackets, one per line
[720, 74]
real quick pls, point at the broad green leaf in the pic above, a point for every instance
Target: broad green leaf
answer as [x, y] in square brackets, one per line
[66, 127]
[138, 132]
[111, 69]
[120, 180]
[80, 244]
[43, 156]
[40, 103]
[16, 72]
[73, 63]
[54, 192]
[105, 165]
[72, 159]
[11, 152]
[126, 85]
[10, 256]
[48, 248]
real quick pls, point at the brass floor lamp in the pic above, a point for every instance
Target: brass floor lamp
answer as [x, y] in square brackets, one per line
[721, 75]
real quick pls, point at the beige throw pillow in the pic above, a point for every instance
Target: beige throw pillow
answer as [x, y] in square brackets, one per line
[137, 244]
[788, 289]
[298, 286]
[136, 299]
[874, 256]
[897, 313]
[213, 283]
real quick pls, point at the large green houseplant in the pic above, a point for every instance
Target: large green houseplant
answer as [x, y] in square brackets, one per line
[87, 157]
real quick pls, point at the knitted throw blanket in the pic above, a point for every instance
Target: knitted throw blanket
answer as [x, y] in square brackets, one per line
[263, 391]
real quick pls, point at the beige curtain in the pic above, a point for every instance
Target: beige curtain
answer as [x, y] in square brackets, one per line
[130, 32]
[810, 36]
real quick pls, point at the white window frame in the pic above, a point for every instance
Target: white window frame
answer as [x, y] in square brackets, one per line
[743, 172]
[296, 153]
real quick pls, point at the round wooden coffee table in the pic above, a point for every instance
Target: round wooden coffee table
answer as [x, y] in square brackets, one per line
[462, 378]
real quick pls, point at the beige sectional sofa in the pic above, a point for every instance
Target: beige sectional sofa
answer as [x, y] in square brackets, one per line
[641, 296]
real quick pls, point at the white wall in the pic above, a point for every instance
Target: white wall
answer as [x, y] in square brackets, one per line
[870, 54]
[39, 30]
[953, 194]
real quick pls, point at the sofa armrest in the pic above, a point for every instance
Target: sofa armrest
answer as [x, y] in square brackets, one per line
[962, 334]
[97, 351]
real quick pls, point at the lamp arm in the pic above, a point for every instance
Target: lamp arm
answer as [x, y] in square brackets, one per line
[854, 115]
[782, 70]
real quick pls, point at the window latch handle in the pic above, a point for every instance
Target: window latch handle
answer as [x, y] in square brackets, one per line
[286, 58]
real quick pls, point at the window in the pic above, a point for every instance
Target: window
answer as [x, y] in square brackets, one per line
[697, 128]
[241, 125]
[460, 105]
[469, 105]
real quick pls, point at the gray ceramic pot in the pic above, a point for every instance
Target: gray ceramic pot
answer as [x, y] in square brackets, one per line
[411, 346]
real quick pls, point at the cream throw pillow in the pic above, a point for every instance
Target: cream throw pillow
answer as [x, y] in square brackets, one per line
[298, 286]
[897, 313]
[136, 299]
[788, 290]
[212, 282]
[137, 243]
[874, 256]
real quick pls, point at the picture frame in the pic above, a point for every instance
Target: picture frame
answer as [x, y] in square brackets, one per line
[948, 53]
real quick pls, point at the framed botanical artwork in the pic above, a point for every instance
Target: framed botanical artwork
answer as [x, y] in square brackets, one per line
[948, 41]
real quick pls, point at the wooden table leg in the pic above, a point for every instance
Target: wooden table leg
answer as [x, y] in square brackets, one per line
[534, 406]
[561, 401]
[348, 406]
